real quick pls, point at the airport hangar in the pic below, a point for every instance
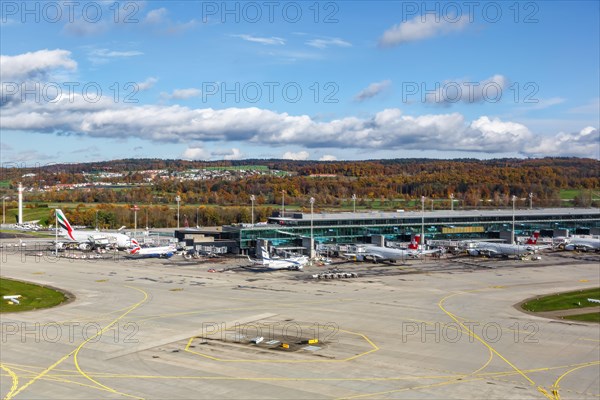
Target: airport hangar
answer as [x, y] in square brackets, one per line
[292, 230]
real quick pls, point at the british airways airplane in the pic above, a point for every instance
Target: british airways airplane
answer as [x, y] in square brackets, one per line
[151, 252]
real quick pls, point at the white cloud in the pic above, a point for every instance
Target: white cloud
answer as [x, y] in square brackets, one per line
[31, 155]
[102, 56]
[301, 155]
[182, 94]
[174, 28]
[233, 154]
[545, 103]
[388, 129]
[420, 28]
[592, 107]
[156, 20]
[195, 153]
[289, 57]
[81, 27]
[499, 134]
[454, 91]
[159, 21]
[328, 157]
[273, 40]
[106, 53]
[199, 153]
[156, 16]
[329, 42]
[372, 90]
[35, 65]
[147, 84]
[585, 143]
[93, 151]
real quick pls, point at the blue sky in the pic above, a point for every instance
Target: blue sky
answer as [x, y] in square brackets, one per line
[302, 80]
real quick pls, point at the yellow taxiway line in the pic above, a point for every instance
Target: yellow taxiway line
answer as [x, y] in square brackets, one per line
[76, 352]
[486, 344]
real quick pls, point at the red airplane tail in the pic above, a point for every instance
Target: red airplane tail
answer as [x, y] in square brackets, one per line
[414, 243]
[533, 239]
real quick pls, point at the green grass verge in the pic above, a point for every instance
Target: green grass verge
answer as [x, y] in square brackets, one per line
[29, 214]
[563, 301]
[33, 296]
[590, 317]
[16, 233]
[569, 194]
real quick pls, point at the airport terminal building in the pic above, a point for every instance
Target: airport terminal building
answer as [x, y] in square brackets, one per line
[293, 230]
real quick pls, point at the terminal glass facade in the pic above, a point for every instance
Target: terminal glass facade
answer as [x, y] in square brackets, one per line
[290, 230]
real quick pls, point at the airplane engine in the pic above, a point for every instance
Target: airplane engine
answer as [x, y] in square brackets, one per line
[473, 253]
[570, 247]
[84, 246]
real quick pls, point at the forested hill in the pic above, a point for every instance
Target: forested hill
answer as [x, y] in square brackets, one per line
[156, 181]
[215, 193]
[584, 167]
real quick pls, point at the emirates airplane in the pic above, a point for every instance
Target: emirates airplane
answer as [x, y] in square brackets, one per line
[88, 239]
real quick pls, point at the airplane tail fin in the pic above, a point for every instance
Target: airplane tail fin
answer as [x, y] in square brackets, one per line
[63, 222]
[414, 243]
[135, 246]
[533, 239]
[265, 255]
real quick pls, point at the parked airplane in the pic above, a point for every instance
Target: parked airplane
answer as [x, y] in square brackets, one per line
[503, 249]
[291, 263]
[584, 244]
[379, 253]
[151, 252]
[87, 239]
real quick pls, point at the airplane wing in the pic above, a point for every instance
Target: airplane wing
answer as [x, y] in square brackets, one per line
[430, 251]
[490, 252]
[585, 247]
[484, 251]
[375, 256]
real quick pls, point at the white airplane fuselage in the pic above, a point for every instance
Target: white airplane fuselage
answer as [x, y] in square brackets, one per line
[379, 253]
[153, 252]
[583, 244]
[506, 249]
[501, 249]
[95, 238]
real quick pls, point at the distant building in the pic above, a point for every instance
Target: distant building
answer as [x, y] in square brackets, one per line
[292, 229]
